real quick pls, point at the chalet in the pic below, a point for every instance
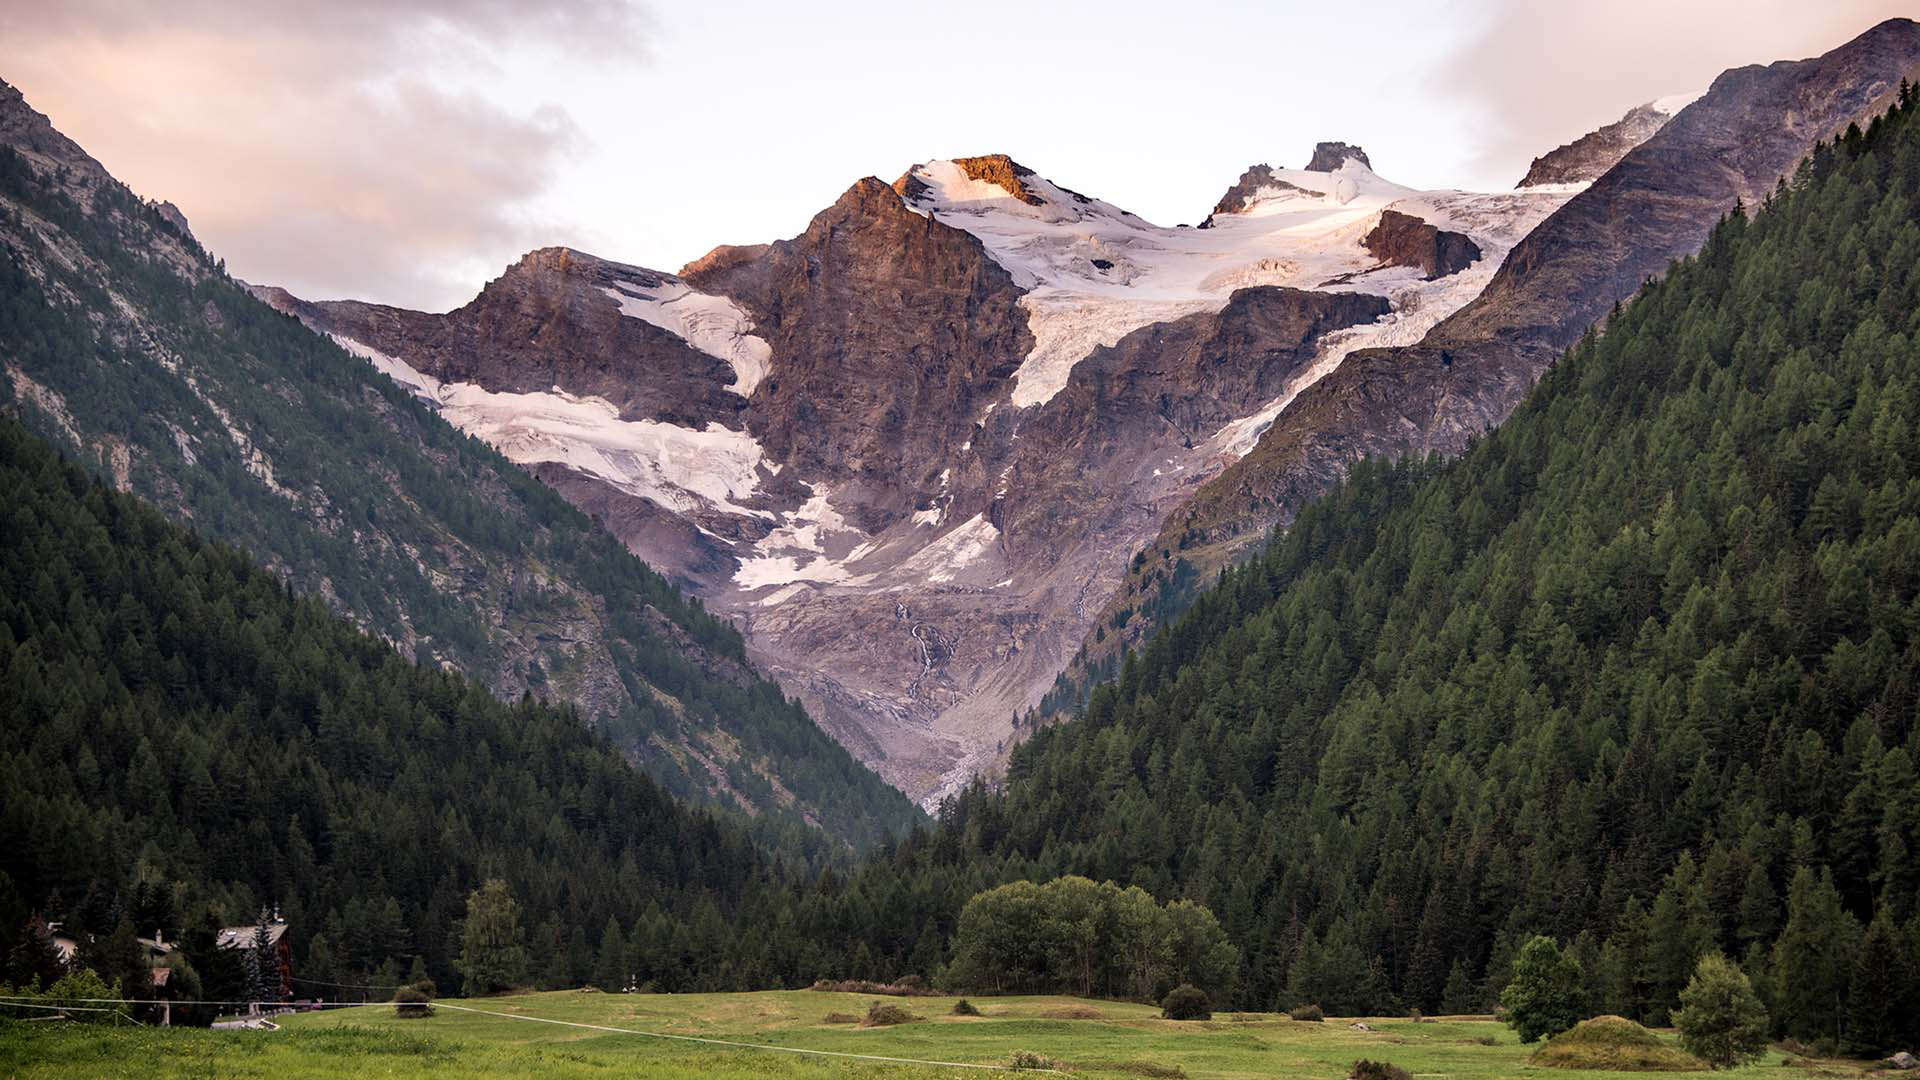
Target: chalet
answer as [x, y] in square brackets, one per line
[278, 940]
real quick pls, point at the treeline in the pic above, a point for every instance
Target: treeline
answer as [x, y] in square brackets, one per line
[272, 438]
[1637, 671]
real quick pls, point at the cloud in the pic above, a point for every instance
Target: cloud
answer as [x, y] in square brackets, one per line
[344, 148]
[1540, 74]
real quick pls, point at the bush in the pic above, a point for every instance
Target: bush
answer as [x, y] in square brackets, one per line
[410, 1004]
[1548, 993]
[1310, 1013]
[1377, 1070]
[1616, 1044]
[911, 986]
[839, 1018]
[882, 1015]
[1186, 1002]
[963, 1007]
[1720, 1018]
[1027, 1059]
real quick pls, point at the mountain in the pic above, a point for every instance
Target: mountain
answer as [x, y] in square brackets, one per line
[1733, 144]
[1585, 159]
[910, 449]
[125, 342]
[184, 733]
[1638, 670]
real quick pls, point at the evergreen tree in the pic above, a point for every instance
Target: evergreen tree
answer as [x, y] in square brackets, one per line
[493, 955]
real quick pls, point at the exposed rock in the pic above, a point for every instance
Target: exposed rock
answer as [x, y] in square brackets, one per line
[1251, 182]
[1660, 201]
[1002, 170]
[1592, 154]
[891, 332]
[1404, 240]
[550, 320]
[1329, 156]
[1904, 1060]
[174, 217]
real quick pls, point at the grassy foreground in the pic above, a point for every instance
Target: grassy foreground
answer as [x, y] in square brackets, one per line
[1094, 1038]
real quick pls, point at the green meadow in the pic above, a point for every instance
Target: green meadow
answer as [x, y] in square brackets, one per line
[1092, 1038]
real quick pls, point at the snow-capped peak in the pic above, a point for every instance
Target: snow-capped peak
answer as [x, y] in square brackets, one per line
[1095, 272]
[995, 183]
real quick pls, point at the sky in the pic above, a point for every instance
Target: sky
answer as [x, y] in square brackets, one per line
[406, 151]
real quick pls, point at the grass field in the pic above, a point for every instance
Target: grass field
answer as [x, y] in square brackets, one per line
[1125, 1040]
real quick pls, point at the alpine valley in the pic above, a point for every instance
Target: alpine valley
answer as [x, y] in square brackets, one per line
[970, 422]
[1360, 599]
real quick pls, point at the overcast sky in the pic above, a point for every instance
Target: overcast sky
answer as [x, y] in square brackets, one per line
[406, 150]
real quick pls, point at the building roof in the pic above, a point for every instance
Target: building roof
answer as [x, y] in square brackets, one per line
[241, 937]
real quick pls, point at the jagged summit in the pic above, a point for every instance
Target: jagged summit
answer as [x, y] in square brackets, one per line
[989, 179]
[1329, 156]
[1585, 158]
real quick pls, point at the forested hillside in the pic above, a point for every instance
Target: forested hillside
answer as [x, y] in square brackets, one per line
[127, 344]
[1637, 670]
[182, 734]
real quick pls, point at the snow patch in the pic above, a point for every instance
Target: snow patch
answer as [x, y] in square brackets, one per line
[1095, 273]
[1496, 220]
[680, 468]
[965, 545]
[713, 324]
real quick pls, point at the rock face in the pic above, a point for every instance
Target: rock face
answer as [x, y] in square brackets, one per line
[137, 355]
[1241, 195]
[893, 331]
[1404, 240]
[1592, 154]
[1659, 202]
[983, 393]
[552, 319]
[915, 539]
[1329, 156]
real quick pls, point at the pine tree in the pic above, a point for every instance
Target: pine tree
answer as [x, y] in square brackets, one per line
[1813, 961]
[493, 953]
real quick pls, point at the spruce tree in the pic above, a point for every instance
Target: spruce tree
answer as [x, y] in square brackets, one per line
[493, 953]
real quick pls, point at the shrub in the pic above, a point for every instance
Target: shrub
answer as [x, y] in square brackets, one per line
[963, 1007]
[839, 1018]
[1616, 1044]
[1027, 1059]
[911, 986]
[882, 1015]
[1547, 995]
[1720, 1018]
[1310, 1013]
[1377, 1070]
[1186, 1002]
[409, 1003]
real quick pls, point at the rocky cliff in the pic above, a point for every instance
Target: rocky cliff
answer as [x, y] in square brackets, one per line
[1588, 157]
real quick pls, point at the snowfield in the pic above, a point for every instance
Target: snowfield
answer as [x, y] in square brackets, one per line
[1097, 273]
[680, 468]
[713, 324]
